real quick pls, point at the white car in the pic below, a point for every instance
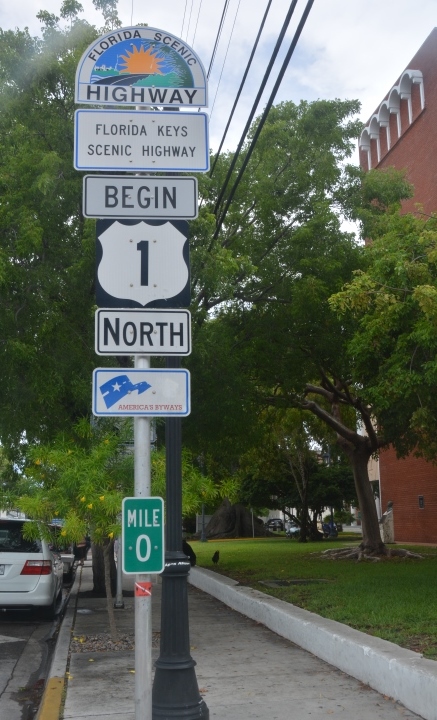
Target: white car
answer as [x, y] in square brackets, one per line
[30, 573]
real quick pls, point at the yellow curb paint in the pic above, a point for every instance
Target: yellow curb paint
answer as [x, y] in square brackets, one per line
[51, 701]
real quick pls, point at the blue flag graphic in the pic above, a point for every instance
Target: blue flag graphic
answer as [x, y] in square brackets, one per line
[119, 386]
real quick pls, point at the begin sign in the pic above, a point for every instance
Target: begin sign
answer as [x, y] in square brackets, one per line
[121, 196]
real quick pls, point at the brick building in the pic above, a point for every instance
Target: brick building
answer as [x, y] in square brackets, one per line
[402, 133]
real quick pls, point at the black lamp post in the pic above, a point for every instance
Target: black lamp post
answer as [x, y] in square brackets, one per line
[175, 693]
[203, 534]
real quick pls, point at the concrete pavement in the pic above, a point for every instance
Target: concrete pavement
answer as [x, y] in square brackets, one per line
[244, 670]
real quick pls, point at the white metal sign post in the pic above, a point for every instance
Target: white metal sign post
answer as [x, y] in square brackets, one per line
[141, 264]
[143, 602]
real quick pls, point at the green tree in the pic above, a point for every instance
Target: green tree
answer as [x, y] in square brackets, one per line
[288, 470]
[47, 249]
[261, 281]
[392, 353]
[280, 256]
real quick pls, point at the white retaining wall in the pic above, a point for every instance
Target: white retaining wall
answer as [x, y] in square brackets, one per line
[401, 674]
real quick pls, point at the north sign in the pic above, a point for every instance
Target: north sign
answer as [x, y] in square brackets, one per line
[121, 196]
[142, 264]
[142, 535]
[140, 141]
[140, 66]
[130, 393]
[143, 332]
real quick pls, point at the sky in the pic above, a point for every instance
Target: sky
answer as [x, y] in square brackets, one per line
[349, 49]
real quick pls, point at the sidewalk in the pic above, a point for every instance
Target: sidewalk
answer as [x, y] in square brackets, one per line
[244, 671]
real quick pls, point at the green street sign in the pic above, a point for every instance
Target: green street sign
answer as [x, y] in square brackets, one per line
[143, 535]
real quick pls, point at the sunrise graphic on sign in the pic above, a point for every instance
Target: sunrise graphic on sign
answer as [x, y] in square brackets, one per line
[142, 63]
[140, 60]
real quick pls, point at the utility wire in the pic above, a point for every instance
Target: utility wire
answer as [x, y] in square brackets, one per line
[246, 72]
[183, 21]
[265, 113]
[189, 21]
[256, 102]
[219, 32]
[197, 22]
[224, 61]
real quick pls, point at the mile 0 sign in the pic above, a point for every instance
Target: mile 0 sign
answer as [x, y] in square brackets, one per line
[141, 66]
[143, 535]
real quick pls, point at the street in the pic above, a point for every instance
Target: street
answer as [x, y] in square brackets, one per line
[26, 644]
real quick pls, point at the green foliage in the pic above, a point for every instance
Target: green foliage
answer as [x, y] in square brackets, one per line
[392, 353]
[109, 12]
[47, 250]
[287, 471]
[83, 478]
[196, 486]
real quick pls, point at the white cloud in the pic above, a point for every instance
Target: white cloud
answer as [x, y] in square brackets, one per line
[348, 48]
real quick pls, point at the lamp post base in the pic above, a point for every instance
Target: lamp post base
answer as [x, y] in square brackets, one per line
[175, 694]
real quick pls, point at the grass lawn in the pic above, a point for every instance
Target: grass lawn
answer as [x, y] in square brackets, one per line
[393, 599]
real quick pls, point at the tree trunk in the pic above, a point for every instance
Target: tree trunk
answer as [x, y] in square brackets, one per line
[232, 521]
[359, 458]
[108, 550]
[99, 586]
[304, 523]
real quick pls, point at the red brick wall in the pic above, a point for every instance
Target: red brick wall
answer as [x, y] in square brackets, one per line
[416, 149]
[402, 481]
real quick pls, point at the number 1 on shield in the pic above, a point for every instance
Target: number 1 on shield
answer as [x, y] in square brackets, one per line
[143, 247]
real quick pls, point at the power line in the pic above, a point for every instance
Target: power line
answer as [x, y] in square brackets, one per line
[197, 21]
[189, 21]
[226, 55]
[284, 28]
[246, 72]
[183, 21]
[265, 113]
[219, 32]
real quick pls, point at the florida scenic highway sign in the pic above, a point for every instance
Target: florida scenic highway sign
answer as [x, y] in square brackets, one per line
[141, 66]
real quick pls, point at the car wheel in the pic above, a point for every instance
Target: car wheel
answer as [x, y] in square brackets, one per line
[48, 613]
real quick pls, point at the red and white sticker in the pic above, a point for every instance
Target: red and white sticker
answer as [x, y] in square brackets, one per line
[143, 589]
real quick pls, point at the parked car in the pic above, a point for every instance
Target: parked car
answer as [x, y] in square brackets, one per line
[329, 529]
[274, 524]
[65, 550]
[293, 530]
[30, 573]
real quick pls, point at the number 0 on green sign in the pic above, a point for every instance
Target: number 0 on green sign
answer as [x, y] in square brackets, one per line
[143, 535]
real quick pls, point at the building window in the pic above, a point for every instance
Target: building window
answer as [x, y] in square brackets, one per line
[421, 502]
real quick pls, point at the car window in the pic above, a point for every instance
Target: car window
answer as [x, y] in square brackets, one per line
[12, 540]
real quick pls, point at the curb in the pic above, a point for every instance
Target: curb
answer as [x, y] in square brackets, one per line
[391, 670]
[51, 702]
